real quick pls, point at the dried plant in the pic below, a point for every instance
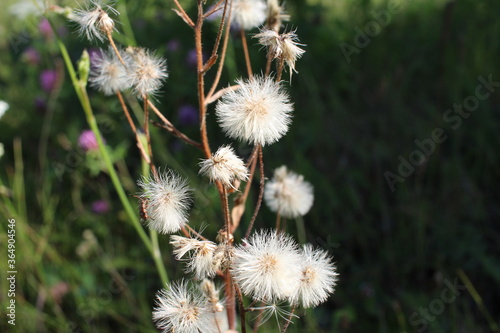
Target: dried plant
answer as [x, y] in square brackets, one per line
[266, 271]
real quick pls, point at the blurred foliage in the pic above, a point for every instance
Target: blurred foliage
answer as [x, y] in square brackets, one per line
[394, 250]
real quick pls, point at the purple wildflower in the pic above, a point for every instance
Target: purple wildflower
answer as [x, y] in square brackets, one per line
[48, 80]
[188, 115]
[87, 141]
[100, 207]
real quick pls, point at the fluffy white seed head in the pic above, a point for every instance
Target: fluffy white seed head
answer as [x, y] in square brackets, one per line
[259, 112]
[94, 21]
[182, 309]
[224, 166]
[318, 277]
[248, 14]
[267, 267]
[167, 199]
[147, 71]
[284, 46]
[108, 74]
[288, 193]
[276, 15]
[201, 259]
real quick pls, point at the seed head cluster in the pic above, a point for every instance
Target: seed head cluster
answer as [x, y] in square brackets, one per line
[94, 21]
[288, 194]
[224, 166]
[167, 198]
[248, 14]
[259, 112]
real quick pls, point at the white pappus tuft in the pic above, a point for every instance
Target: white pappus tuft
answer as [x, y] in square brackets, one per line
[147, 71]
[288, 194]
[248, 14]
[167, 199]
[94, 21]
[201, 260]
[259, 112]
[224, 166]
[267, 267]
[284, 46]
[108, 74]
[318, 277]
[183, 309]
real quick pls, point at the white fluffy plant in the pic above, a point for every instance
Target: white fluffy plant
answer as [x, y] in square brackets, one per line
[263, 272]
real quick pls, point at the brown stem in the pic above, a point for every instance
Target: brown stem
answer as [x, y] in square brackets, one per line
[278, 221]
[220, 93]
[171, 128]
[146, 130]
[213, 57]
[242, 308]
[247, 54]
[132, 126]
[261, 193]
[182, 13]
[225, 208]
[223, 54]
[268, 63]
[201, 82]
[241, 200]
[230, 305]
[113, 45]
[289, 320]
[191, 230]
[281, 64]
[213, 10]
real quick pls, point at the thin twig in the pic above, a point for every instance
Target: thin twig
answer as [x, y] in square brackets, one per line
[220, 93]
[213, 58]
[242, 309]
[213, 10]
[215, 83]
[261, 193]
[230, 306]
[278, 221]
[289, 320]
[201, 82]
[144, 155]
[247, 54]
[182, 13]
[179, 134]
[225, 208]
[146, 131]
[113, 45]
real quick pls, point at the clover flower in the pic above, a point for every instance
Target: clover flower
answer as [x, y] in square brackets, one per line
[267, 267]
[108, 74]
[180, 308]
[94, 21]
[167, 199]
[318, 277]
[147, 71]
[259, 112]
[224, 166]
[248, 14]
[288, 194]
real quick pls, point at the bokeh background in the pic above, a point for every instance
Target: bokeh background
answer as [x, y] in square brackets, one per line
[81, 266]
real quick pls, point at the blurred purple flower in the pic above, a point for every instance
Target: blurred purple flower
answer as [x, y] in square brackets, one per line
[191, 58]
[100, 206]
[188, 115]
[173, 45]
[45, 29]
[48, 80]
[95, 56]
[31, 56]
[87, 141]
[40, 105]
